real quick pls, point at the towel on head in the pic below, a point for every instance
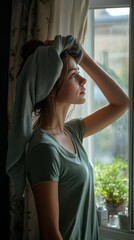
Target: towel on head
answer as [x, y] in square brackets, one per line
[35, 81]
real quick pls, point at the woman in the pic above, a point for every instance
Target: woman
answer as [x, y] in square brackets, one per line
[57, 167]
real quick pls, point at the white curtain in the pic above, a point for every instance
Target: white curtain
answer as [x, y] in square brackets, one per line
[69, 17]
[33, 19]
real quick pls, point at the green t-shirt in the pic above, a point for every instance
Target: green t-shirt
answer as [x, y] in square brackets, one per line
[47, 160]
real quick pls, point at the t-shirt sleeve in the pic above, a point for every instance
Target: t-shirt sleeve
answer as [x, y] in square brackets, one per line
[43, 164]
[76, 126]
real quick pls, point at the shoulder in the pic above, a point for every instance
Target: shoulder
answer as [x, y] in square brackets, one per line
[76, 126]
[41, 139]
[42, 163]
[41, 145]
[42, 149]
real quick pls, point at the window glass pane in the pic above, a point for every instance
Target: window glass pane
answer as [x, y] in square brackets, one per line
[110, 151]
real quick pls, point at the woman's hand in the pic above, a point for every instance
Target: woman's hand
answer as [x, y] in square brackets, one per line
[48, 42]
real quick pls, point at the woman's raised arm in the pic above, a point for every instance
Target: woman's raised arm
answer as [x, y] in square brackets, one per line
[118, 101]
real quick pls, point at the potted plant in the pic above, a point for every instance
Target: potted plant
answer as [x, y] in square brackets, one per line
[111, 184]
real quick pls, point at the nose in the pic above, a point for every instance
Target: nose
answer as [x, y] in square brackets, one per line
[82, 81]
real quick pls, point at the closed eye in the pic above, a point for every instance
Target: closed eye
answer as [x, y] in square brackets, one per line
[74, 74]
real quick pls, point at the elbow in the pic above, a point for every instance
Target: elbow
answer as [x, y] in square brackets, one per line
[126, 104]
[123, 103]
[123, 106]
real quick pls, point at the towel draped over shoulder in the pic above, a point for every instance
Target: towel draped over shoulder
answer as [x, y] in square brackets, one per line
[37, 78]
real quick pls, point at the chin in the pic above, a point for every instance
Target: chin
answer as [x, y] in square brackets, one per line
[82, 101]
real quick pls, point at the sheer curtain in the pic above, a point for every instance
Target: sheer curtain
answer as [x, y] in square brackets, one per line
[32, 19]
[69, 17]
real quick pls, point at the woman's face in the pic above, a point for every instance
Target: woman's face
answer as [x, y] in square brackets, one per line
[72, 90]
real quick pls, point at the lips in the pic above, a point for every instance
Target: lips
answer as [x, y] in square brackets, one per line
[83, 91]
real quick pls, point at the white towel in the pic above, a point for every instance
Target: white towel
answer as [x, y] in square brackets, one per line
[35, 81]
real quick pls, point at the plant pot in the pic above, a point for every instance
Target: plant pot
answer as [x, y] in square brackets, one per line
[123, 221]
[114, 208]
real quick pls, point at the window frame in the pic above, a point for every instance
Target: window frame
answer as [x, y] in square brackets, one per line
[98, 4]
[95, 4]
[131, 52]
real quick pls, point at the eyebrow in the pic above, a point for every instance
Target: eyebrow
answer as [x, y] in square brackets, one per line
[71, 69]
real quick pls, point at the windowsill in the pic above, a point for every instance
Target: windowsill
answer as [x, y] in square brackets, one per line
[108, 233]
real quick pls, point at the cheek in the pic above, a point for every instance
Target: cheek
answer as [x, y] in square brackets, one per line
[68, 90]
[65, 93]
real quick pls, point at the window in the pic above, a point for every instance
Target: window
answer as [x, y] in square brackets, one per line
[110, 146]
[111, 46]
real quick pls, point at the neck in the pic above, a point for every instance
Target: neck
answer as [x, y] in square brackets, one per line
[56, 125]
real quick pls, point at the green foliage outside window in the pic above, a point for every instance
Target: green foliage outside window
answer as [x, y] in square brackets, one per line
[111, 181]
